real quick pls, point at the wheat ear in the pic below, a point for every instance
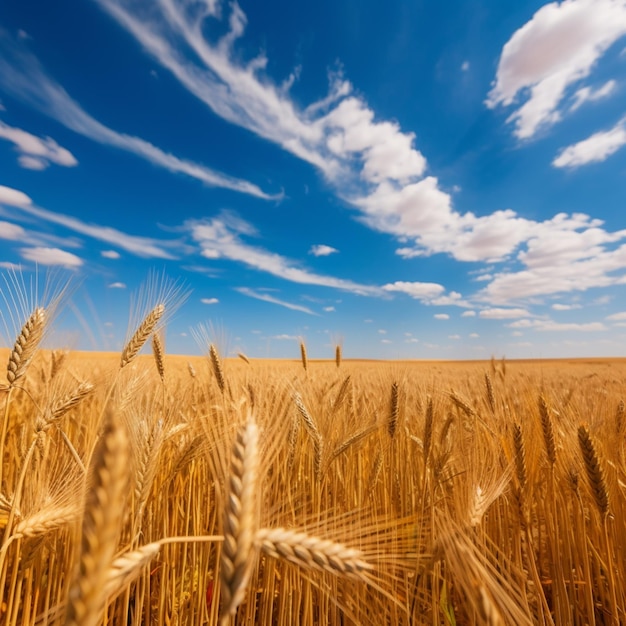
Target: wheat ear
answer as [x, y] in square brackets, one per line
[303, 356]
[158, 351]
[394, 411]
[102, 521]
[240, 521]
[26, 345]
[594, 471]
[548, 431]
[142, 334]
[312, 553]
[216, 363]
[338, 356]
[127, 567]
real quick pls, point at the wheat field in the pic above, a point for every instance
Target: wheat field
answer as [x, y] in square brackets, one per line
[143, 488]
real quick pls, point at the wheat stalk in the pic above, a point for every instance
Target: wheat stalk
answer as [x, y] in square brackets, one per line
[102, 519]
[313, 553]
[240, 520]
[142, 334]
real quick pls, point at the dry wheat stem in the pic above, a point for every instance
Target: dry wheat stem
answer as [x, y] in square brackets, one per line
[240, 520]
[313, 553]
[142, 334]
[394, 411]
[102, 519]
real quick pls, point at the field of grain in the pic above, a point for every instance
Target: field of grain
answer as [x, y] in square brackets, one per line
[155, 489]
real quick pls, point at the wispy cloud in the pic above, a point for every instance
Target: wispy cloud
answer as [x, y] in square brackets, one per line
[139, 246]
[596, 148]
[251, 293]
[209, 300]
[441, 316]
[322, 250]
[22, 76]
[110, 254]
[117, 285]
[532, 63]
[51, 256]
[36, 153]
[221, 237]
[503, 314]
[550, 325]
[11, 231]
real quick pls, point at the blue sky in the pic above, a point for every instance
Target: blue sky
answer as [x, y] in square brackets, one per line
[412, 179]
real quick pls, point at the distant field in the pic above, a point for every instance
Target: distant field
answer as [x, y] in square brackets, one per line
[155, 489]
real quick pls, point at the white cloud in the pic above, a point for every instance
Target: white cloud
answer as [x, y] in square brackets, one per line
[209, 300]
[454, 336]
[503, 314]
[22, 75]
[557, 306]
[411, 340]
[598, 147]
[36, 153]
[617, 317]
[11, 231]
[441, 316]
[420, 291]
[117, 285]
[322, 250]
[558, 47]
[550, 326]
[246, 291]
[465, 66]
[140, 246]
[329, 309]
[221, 237]
[13, 197]
[468, 314]
[387, 341]
[51, 256]
[110, 254]
[474, 335]
[588, 94]
[285, 337]
[382, 331]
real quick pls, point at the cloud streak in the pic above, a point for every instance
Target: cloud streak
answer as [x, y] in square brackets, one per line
[22, 76]
[264, 297]
[139, 246]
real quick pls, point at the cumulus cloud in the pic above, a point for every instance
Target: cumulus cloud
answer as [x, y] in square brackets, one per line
[209, 300]
[110, 254]
[322, 250]
[420, 291]
[557, 48]
[441, 316]
[264, 297]
[596, 148]
[51, 256]
[468, 314]
[117, 285]
[36, 153]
